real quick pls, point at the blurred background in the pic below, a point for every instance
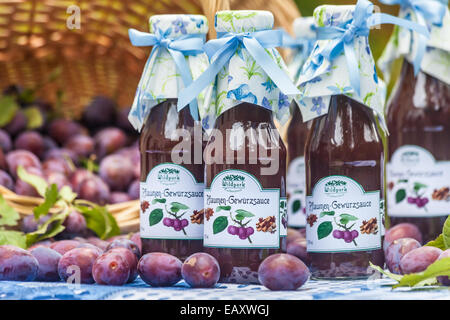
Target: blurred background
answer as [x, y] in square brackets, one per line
[66, 52]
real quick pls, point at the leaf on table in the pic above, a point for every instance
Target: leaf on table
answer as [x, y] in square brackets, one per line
[14, 238]
[51, 197]
[443, 240]
[438, 268]
[446, 233]
[393, 276]
[8, 215]
[438, 243]
[37, 182]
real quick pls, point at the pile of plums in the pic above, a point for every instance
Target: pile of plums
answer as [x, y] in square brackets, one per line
[118, 261]
[60, 149]
[114, 262]
[405, 254]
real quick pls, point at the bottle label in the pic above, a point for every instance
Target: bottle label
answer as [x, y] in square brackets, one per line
[295, 187]
[240, 213]
[171, 204]
[342, 217]
[418, 185]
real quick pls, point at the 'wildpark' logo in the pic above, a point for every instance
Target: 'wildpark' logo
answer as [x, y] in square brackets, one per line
[233, 183]
[335, 188]
[169, 176]
[410, 158]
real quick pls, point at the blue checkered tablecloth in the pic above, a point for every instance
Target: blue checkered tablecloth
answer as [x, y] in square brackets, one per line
[372, 289]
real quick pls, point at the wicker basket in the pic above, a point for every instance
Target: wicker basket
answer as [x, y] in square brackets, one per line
[97, 59]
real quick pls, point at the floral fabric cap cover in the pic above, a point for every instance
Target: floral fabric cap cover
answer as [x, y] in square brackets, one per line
[319, 84]
[242, 79]
[403, 42]
[160, 79]
[305, 33]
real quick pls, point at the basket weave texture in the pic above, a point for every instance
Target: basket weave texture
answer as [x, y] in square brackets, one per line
[69, 66]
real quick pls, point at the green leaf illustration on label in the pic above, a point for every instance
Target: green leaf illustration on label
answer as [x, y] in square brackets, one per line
[324, 229]
[327, 213]
[176, 206]
[418, 186]
[296, 205]
[220, 224]
[155, 216]
[346, 218]
[220, 208]
[242, 214]
[400, 195]
[154, 201]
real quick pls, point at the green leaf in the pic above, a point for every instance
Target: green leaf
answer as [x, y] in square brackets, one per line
[155, 201]
[324, 229]
[220, 224]
[418, 186]
[443, 240]
[34, 116]
[37, 182]
[346, 218]
[438, 268]
[296, 205]
[242, 214]
[14, 238]
[8, 215]
[446, 233]
[393, 276]
[177, 206]
[438, 243]
[49, 229]
[327, 213]
[400, 195]
[220, 208]
[8, 107]
[155, 216]
[66, 193]
[51, 197]
[99, 220]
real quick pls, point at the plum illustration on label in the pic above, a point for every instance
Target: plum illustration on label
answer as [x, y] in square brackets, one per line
[171, 204]
[343, 217]
[239, 213]
[295, 186]
[418, 185]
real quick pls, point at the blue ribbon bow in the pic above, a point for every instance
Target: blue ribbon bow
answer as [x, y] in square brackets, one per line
[432, 11]
[344, 35]
[221, 50]
[191, 44]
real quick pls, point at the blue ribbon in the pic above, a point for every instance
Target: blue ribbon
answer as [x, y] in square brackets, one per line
[221, 50]
[187, 45]
[432, 11]
[303, 45]
[343, 36]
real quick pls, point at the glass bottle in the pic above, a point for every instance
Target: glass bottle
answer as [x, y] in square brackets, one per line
[345, 161]
[171, 141]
